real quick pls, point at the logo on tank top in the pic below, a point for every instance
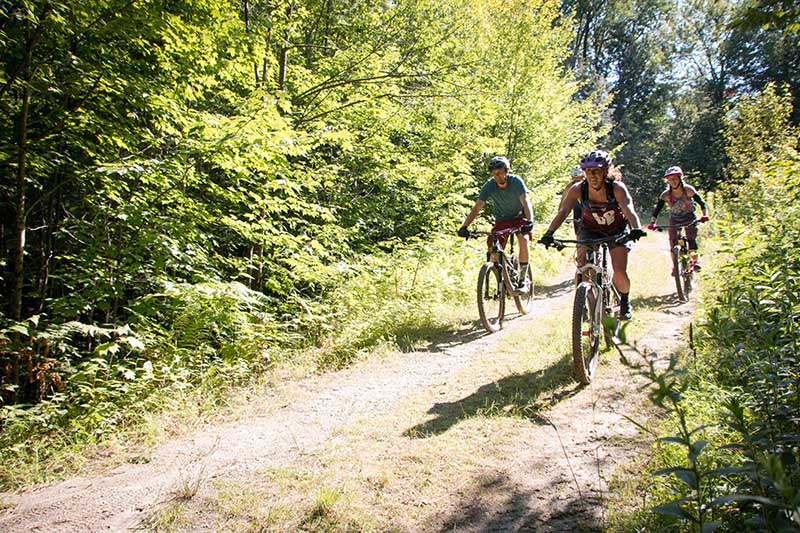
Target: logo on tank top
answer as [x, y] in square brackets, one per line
[604, 219]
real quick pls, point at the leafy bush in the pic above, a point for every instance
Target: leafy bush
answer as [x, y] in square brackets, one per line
[741, 468]
[209, 335]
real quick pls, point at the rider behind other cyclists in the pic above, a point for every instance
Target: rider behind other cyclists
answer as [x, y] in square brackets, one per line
[576, 175]
[606, 210]
[512, 208]
[681, 199]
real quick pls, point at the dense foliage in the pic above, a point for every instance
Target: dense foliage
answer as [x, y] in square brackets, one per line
[673, 68]
[734, 462]
[190, 188]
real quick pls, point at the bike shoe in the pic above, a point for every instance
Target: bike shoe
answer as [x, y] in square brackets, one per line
[625, 312]
[696, 267]
[523, 288]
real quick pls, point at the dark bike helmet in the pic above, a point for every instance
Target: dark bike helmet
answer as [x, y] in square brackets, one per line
[596, 159]
[499, 162]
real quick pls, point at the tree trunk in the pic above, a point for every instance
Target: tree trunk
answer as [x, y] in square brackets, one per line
[18, 278]
[283, 60]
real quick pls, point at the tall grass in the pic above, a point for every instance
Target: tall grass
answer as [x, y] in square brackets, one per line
[730, 459]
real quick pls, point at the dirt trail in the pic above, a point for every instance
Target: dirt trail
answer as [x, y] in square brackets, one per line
[587, 427]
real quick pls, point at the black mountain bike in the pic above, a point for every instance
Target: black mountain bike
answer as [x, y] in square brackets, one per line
[682, 267]
[596, 299]
[497, 281]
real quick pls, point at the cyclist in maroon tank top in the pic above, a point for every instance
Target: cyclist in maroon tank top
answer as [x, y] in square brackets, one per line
[607, 209]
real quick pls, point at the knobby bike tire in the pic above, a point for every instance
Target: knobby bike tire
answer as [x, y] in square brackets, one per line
[524, 302]
[688, 274]
[491, 297]
[677, 271]
[586, 331]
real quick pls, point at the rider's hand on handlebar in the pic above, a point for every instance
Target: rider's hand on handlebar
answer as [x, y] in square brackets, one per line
[547, 239]
[636, 234]
[463, 232]
[704, 218]
[527, 227]
[651, 226]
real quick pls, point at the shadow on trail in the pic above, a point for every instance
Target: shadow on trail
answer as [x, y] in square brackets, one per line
[411, 338]
[495, 503]
[550, 291]
[517, 395]
[438, 339]
[658, 303]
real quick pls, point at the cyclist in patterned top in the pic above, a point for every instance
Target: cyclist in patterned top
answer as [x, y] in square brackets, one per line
[512, 208]
[607, 209]
[681, 198]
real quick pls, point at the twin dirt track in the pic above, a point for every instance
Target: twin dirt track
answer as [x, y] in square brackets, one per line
[543, 469]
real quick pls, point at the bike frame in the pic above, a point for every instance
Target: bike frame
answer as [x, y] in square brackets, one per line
[596, 270]
[594, 296]
[684, 259]
[499, 257]
[682, 241]
[506, 267]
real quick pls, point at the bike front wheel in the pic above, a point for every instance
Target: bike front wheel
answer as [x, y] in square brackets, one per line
[491, 297]
[587, 329]
[677, 271]
[688, 274]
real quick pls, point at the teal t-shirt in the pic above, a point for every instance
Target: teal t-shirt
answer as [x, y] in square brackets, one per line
[506, 201]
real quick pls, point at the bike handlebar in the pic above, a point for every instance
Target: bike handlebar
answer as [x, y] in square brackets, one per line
[620, 238]
[499, 233]
[677, 226]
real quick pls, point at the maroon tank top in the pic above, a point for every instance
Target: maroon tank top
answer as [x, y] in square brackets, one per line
[602, 217]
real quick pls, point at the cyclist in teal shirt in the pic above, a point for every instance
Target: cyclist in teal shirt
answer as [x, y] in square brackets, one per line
[512, 208]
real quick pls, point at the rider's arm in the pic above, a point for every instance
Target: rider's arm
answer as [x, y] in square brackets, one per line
[657, 210]
[567, 204]
[692, 192]
[564, 195]
[473, 213]
[626, 204]
[525, 200]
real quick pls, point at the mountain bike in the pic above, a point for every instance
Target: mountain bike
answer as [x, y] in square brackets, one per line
[596, 300]
[497, 281]
[682, 264]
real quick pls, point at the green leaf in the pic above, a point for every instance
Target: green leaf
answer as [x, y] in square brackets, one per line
[107, 348]
[19, 328]
[674, 509]
[133, 342]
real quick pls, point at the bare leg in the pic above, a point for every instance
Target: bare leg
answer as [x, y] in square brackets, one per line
[619, 261]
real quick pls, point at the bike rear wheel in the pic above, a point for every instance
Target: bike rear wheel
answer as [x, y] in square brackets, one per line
[491, 297]
[586, 332]
[524, 302]
[677, 271]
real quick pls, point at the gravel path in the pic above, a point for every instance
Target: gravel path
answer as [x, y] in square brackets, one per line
[299, 418]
